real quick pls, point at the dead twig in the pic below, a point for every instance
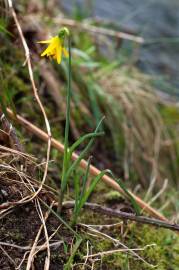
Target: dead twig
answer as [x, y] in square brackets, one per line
[123, 215]
[100, 30]
[109, 252]
[28, 248]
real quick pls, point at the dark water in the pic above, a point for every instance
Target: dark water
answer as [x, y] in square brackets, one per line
[152, 19]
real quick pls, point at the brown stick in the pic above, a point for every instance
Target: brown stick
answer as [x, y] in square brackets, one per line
[123, 215]
[83, 164]
[100, 30]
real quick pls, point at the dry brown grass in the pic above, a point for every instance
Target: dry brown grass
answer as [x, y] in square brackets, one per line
[138, 130]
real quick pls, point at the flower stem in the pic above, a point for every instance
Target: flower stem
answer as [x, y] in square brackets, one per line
[67, 127]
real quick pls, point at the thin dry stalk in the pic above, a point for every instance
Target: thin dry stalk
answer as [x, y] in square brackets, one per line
[8, 256]
[16, 152]
[33, 249]
[116, 242]
[25, 188]
[109, 252]
[35, 91]
[106, 226]
[161, 191]
[28, 248]
[44, 246]
[22, 261]
[47, 259]
[87, 254]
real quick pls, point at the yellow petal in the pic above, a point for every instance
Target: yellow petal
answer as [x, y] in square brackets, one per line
[49, 49]
[54, 49]
[56, 40]
[65, 52]
[46, 52]
[59, 53]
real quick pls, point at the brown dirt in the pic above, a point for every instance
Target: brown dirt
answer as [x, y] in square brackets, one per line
[19, 224]
[20, 228]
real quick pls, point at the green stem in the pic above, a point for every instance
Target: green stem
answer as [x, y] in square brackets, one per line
[67, 127]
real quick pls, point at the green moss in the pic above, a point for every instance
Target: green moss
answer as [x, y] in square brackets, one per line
[163, 252]
[113, 196]
[166, 252]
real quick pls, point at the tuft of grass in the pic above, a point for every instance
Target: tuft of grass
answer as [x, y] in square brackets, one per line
[139, 132]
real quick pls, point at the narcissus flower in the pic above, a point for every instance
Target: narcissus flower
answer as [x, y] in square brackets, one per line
[56, 47]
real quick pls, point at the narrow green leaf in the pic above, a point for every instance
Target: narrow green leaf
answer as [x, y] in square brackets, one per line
[81, 156]
[130, 197]
[92, 187]
[77, 244]
[82, 139]
[85, 178]
[77, 191]
[60, 218]
[77, 207]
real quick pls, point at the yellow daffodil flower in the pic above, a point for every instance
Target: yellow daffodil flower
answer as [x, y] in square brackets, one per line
[56, 47]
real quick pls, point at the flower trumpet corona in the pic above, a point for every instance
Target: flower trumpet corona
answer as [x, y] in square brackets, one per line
[56, 47]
